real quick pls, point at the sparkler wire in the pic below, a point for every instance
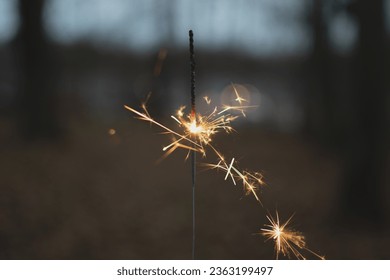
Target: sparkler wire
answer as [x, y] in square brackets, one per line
[193, 153]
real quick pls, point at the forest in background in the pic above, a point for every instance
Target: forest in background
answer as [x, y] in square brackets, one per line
[327, 111]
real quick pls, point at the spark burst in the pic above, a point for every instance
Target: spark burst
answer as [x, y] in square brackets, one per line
[287, 240]
[196, 134]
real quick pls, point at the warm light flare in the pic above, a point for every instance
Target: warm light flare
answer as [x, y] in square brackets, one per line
[197, 132]
[195, 129]
[287, 241]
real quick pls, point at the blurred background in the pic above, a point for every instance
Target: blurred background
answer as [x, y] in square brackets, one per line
[80, 177]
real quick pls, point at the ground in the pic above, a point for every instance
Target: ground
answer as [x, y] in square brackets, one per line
[100, 196]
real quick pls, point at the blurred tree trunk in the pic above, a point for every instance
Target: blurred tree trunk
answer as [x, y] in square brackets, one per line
[37, 99]
[320, 99]
[366, 152]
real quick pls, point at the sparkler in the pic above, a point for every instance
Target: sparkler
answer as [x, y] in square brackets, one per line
[194, 129]
[287, 240]
[195, 134]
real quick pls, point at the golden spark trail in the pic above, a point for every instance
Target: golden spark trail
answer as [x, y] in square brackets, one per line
[145, 117]
[198, 132]
[251, 182]
[229, 169]
[287, 241]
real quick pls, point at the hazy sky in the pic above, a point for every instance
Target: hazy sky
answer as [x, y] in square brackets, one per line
[260, 27]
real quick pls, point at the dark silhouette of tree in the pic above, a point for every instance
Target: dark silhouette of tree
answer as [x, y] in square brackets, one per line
[363, 199]
[37, 99]
[361, 129]
[320, 96]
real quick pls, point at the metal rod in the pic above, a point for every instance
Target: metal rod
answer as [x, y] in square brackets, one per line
[193, 153]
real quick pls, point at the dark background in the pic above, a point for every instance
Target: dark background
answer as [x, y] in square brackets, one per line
[70, 189]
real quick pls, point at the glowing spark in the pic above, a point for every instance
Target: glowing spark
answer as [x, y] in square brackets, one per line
[251, 182]
[176, 119]
[196, 134]
[287, 241]
[111, 131]
[195, 129]
[239, 99]
[207, 99]
[229, 169]
[145, 117]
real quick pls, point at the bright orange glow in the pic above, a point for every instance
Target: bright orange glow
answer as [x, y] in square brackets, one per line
[287, 241]
[194, 129]
[196, 134]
